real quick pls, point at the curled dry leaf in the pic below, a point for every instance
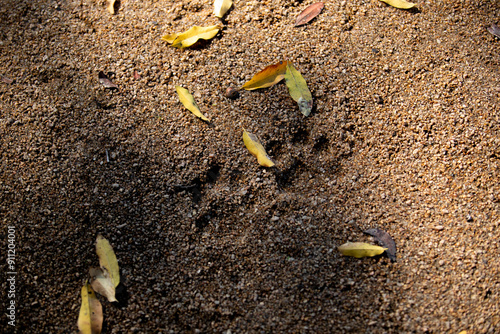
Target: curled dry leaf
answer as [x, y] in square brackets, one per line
[102, 284]
[105, 81]
[360, 249]
[188, 101]
[298, 89]
[191, 36]
[401, 4]
[90, 317]
[107, 259]
[495, 30]
[221, 7]
[309, 13]
[268, 77]
[385, 240]
[256, 149]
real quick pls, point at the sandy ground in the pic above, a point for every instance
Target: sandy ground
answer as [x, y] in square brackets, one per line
[404, 137]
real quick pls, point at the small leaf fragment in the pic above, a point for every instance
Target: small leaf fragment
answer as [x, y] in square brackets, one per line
[385, 240]
[268, 77]
[494, 30]
[221, 7]
[107, 259]
[256, 149]
[401, 4]
[309, 13]
[6, 79]
[191, 36]
[105, 81]
[360, 249]
[188, 101]
[90, 317]
[101, 283]
[298, 89]
[111, 6]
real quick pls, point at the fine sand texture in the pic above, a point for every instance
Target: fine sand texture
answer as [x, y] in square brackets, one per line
[404, 136]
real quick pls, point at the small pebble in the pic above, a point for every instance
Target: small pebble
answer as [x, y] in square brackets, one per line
[232, 93]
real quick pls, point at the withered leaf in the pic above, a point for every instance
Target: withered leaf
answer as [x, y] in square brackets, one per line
[309, 13]
[105, 81]
[495, 30]
[385, 240]
[268, 77]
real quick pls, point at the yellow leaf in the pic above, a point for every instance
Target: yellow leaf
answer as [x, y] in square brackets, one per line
[90, 317]
[170, 38]
[297, 87]
[191, 36]
[360, 249]
[268, 77]
[256, 149]
[188, 101]
[401, 4]
[463, 332]
[101, 283]
[221, 7]
[107, 259]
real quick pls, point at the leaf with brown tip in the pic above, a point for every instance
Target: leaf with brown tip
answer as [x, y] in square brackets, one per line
[90, 317]
[385, 240]
[309, 13]
[268, 77]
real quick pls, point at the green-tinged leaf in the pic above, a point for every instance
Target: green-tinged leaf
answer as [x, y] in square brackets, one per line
[297, 87]
[360, 249]
[188, 101]
[268, 77]
[221, 7]
[101, 283]
[191, 36]
[90, 317]
[107, 259]
[401, 4]
[256, 149]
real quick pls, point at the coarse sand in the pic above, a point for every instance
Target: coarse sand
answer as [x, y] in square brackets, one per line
[404, 136]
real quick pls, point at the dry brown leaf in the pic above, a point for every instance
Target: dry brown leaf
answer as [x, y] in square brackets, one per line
[385, 240]
[494, 30]
[309, 13]
[105, 81]
[102, 284]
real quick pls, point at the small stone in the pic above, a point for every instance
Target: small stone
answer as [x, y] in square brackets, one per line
[231, 93]
[438, 227]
